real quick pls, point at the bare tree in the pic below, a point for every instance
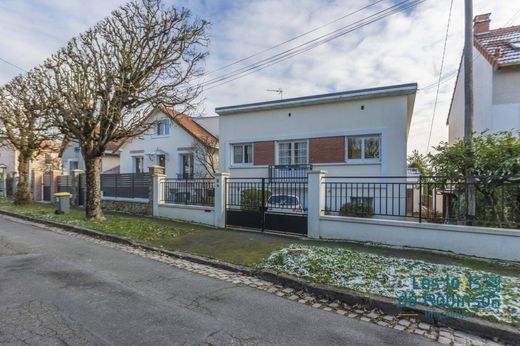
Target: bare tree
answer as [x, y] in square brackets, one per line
[205, 153]
[106, 82]
[25, 125]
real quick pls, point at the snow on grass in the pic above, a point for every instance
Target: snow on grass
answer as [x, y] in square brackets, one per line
[391, 277]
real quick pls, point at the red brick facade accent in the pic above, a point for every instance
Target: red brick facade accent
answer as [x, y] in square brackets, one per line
[263, 153]
[327, 150]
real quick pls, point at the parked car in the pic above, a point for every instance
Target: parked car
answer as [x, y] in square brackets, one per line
[284, 204]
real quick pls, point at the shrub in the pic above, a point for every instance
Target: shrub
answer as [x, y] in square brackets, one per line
[251, 199]
[356, 210]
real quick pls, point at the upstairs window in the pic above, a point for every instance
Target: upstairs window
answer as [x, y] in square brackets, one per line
[242, 154]
[293, 153]
[163, 128]
[364, 148]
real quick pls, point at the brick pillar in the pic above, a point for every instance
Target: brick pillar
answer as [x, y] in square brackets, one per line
[316, 202]
[220, 199]
[154, 193]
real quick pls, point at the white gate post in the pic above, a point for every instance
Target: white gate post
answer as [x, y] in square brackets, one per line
[154, 188]
[220, 199]
[316, 202]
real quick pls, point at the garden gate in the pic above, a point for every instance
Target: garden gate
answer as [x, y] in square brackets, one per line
[277, 204]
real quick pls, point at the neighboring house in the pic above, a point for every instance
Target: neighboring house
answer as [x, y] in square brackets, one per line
[496, 81]
[351, 133]
[170, 143]
[71, 158]
[9, 158]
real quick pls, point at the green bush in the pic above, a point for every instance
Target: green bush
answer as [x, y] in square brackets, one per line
[356, 210]
[251, 199]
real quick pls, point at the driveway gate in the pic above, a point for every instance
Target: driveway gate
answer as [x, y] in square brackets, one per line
[278, 204]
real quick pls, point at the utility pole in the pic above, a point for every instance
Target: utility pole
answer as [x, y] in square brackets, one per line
[468, 111]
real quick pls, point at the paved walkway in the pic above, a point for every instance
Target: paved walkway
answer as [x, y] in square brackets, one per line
[59, 287]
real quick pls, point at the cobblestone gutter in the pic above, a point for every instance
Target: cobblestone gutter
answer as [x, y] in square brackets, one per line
[324, 298]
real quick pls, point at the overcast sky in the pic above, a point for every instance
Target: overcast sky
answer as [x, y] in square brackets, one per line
[403, 48]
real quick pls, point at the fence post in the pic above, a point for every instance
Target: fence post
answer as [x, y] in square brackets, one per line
[420, 198]
[220, 199]
[316, 202]
[154, 193]
[74, 202]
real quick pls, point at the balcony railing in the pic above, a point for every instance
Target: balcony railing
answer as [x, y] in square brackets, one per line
[289, 171]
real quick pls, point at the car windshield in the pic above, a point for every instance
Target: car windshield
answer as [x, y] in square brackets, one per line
[283, 200]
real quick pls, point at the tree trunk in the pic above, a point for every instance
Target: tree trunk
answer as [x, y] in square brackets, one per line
[93, 205]
[23, 193]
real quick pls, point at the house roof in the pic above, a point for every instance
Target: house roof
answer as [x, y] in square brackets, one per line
[496, 46]
[190, 126]
[393, 90]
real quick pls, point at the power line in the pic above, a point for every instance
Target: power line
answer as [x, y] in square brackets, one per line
[297, 49]
[440, 76]
[264, 63]
[13, 65]
[293, 38]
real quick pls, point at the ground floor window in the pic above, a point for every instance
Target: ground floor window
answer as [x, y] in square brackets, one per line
[138, 164]
[186, 166]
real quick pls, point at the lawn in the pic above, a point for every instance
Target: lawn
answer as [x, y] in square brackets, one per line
[496, 297]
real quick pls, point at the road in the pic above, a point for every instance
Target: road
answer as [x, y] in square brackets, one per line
[61, 290]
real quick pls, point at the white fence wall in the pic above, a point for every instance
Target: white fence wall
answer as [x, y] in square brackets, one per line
[495, 243]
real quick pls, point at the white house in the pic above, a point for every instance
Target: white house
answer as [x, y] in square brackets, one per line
[170, 143]
[496, 81]
[351, 133]
[71, 158]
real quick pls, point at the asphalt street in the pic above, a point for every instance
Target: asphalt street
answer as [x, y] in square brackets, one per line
[57, 289]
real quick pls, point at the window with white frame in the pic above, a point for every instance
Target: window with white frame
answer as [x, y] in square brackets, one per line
[138, 164]
[242, 154]
[293, 153]
[364, 148]
[163, 128]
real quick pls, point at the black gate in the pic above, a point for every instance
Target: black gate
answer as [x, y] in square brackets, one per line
[47, 185]
[277, 204]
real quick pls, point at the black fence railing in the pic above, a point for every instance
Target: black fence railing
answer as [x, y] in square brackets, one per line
[425, 199]
[127, 185]
[188, 191]
[289, 171]
[275, 195]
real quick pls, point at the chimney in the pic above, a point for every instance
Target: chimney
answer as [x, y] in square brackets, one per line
[481, 24]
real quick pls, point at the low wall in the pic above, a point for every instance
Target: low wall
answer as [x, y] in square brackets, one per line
[190, 213]
[493, 243]
[130, 206]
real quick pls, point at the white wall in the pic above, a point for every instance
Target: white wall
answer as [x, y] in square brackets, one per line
[172, 144]
[9, 157]
[473, 241]
[385, 115]
[496, 99]
[190, 213]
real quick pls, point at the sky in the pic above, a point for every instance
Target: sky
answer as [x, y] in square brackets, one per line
[403, 48]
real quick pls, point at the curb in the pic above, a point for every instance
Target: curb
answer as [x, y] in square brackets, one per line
[387, 305]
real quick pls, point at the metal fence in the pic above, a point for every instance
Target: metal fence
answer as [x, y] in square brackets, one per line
[127, 185]
[188, 191]
[64, 183]
[275, 194]
[425, 199]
